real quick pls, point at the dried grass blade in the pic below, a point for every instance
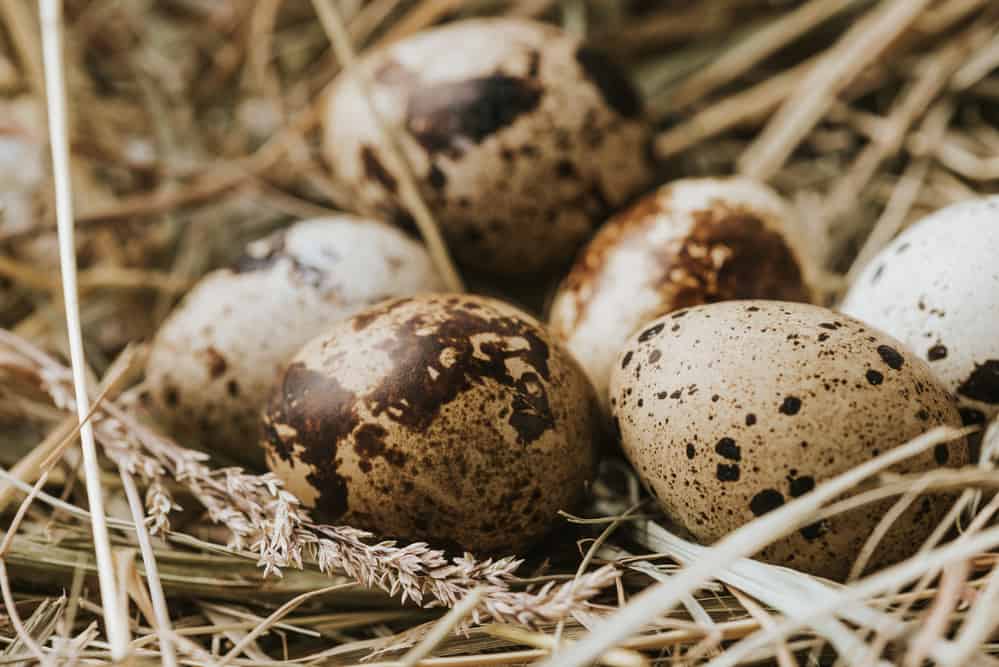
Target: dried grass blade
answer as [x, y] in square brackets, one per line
[742, 542]
[840, 65]
[51, 19]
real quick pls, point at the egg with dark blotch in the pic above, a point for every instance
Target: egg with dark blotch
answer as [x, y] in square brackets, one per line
[446, 418]
[729, 410]
[691, 242]
[936, 288]
[213, 362]
[521, 138]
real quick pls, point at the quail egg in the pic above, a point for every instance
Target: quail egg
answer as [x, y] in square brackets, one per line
[521, 138]
[214, 360]
[447, 418]
[936, 288]
[691, 242]
[729, 410]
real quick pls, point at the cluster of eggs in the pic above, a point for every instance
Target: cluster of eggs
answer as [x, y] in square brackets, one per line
[684, 328]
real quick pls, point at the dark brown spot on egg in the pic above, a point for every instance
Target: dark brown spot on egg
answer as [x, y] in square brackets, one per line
[441, 115]
[611, 80]
[436, 177]
[891, 357]
[799, 486]
[369, 443]
[875, 377]
[750, 419]
[790, 406]
[215, 363]
[376, 171]
[232, 388]
[765, 501]
[322, 414]
[171, 396]
[533, 63]
[726, 447]
[565, 169]
[729, 254]
[691, 451]
[813, 531]
[937, 352]
[655, 356]
[651, 333]
[727, 473]
[449, 348]
[983, 383]
[627, 359]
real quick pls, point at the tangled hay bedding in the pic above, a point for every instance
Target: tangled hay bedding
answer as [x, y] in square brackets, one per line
[194, 129]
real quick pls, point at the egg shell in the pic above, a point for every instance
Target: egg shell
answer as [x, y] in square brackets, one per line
[729, 410]
[521, 138]
[453, 419]
[691, 242]
[936, 288]
[215, 359]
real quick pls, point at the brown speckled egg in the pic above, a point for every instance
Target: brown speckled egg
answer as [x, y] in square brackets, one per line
[691, 242]
[453, 419]
[215, 359]
[730, 410]
[522, 138]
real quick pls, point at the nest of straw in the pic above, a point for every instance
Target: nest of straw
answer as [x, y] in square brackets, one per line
[193, 129]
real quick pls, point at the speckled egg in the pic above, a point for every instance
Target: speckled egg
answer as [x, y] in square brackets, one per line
[936, 287]
[691, 242]
[215, 359]
[452, 419]
[522, 139]
[729, 410]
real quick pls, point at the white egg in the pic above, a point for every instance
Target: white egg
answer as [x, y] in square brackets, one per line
[690, 242]
[936, 288]
[214, 360]
[520, 145]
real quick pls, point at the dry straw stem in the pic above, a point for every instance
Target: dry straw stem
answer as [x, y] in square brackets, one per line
[934, 72]
[879, 583]
[790, 592]
[799, 114]
[44, 455]
[615, 657]
[329, 15]
[443, 628]
[740, 543]
[764, 42]
[278, 614]
[51, 19]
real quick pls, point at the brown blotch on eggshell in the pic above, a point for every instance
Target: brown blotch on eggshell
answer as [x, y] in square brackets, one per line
[521, 145]
[454, 419]
[691, 242]
[754, 403]
[215, 359]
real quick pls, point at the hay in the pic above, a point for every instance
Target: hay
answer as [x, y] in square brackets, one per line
[194, 128]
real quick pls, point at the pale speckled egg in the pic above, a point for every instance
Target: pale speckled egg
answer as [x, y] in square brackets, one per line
[447, 418]
[522, 139]
[691, 242]
[215, 359]
[729, 410]
[936, 288]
